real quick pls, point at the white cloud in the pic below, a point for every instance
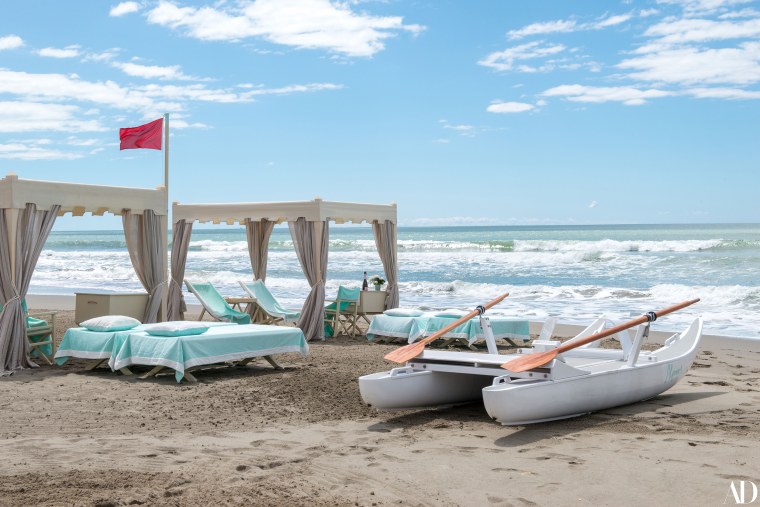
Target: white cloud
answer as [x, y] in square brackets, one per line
[462, 129]
[286, 90]
[702, 30]
[509, 107]
[105, 56]
[723, 93]
[743, 13]
[310, 24]
[612, 21]
[62, 87]
[505, 60]
[690, 66]
[592, 94]
[67, 52]
[149, 97]
[567, 26]
[10, 42]
[559, 26]
[171, 72]
[701, 7]
[124, 8]
[38, 117]
[593, 204]
[34, 150]
[41, 97]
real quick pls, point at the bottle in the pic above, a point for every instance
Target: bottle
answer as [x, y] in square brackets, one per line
[365, 285]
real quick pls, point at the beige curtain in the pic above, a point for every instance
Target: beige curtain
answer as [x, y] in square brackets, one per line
[181, 232]
[32, 230]
[310, 240]
[386, 242]
[144, 242]
[258, 234]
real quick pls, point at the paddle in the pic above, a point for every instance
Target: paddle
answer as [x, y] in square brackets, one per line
[536, 359]
[407, 352]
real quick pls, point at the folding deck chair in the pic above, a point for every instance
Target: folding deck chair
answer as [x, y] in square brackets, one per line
[40, 333]
[268, 309]
[215, 305]
[341, 316]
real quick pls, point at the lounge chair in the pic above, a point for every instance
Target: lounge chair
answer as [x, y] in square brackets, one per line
[215, 305]
[40, 333]
[341, 316]
[268, 309]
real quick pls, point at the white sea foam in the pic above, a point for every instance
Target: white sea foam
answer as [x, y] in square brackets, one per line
[573, 274]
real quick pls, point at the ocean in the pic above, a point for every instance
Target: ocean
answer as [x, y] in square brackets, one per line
[573, 272]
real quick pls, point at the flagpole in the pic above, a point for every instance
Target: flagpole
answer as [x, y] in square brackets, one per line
[166, 152]
[164, 308]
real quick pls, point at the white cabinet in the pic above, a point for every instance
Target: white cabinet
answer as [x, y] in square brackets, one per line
[99, 303]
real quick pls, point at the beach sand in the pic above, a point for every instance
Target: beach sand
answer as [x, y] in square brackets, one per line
[302, 436]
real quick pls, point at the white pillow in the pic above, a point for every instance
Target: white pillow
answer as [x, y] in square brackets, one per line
[403, 312]
[177, 328]
[452, 313]
[110, 323]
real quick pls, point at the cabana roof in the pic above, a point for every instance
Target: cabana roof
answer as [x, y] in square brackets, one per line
[78, 199]
[315, 210]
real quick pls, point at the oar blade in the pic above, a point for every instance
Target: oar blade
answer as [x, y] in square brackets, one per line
[530, 361]
[403, 354]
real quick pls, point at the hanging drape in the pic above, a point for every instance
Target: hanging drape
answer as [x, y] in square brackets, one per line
[144, 242]
[310, 240]
[386, 242]
[181, 232]
[258, 233]
[32, 229]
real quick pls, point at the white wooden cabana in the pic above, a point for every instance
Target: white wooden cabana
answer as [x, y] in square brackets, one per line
[309, 227]
[28, 209]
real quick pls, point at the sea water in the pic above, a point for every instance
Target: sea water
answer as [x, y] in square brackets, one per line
[573, 272]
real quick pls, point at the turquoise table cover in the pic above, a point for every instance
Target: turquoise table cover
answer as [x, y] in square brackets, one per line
[84, 344]
[414, 328]
[217, 345]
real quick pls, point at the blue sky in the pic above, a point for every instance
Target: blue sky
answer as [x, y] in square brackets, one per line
[483, 112]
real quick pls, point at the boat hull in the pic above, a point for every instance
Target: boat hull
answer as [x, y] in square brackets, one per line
[524, 402]
[403, 388]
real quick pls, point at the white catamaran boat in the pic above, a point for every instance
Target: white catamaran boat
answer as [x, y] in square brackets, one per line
[581, 378]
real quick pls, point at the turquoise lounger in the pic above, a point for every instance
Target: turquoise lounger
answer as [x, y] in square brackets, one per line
[268, 309]
[215, 305]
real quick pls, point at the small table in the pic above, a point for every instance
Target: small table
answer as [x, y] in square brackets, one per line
[239, 301]
[97, 303]
[371, 302]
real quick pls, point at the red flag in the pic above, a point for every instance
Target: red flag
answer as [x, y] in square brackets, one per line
[145, 136]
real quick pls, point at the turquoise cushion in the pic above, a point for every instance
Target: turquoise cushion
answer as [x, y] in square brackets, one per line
[452, 313]
[403, 312]
[179, 328]
[110, 323]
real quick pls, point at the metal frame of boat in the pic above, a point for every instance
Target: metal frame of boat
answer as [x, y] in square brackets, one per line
[579, 381]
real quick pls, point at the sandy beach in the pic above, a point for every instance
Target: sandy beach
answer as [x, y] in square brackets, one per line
[302, 436]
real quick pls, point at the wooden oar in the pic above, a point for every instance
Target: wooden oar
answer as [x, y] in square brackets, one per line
[537, 359]
[407, 352]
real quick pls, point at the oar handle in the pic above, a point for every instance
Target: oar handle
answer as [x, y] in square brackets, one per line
[647, 317]
[476, 311]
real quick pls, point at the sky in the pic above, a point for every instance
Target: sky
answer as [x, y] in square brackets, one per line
[519, 112]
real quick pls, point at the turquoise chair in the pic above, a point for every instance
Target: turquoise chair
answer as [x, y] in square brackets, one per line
[268, 309]
[341, 316]
[215, 305]
[40, 334]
